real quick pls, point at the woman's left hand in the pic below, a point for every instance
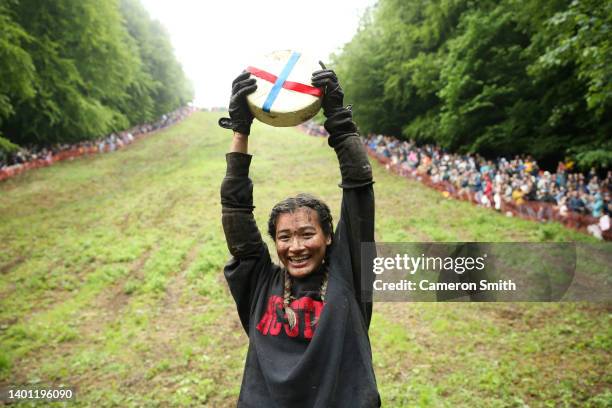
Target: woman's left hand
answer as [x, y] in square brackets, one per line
[333, 95]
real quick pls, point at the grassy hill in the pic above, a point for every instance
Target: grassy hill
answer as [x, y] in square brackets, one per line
[110, 280]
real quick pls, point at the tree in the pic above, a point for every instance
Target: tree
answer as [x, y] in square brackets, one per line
[77, 71]
[18, 73]
[494, 77]
[169, 88]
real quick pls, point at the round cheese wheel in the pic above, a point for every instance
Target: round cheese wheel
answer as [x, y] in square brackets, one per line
[284, 95]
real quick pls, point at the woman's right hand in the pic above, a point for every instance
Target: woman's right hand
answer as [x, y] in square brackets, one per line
[241, 118]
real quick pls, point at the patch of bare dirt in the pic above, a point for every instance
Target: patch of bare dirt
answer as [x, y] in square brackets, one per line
[176, 286]
[11, 264]
[105, 308]
[112, 301]
[174, 328]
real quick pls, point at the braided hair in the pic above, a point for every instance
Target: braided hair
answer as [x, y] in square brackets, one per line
[290, 205]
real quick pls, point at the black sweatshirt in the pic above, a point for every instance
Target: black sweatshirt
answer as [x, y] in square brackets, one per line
[326, 360]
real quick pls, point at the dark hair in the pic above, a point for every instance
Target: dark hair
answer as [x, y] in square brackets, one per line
[291, 204]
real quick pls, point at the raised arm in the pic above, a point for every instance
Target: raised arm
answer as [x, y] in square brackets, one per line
[249, 253]
[241, 233]
[356, 224]
[240, 143]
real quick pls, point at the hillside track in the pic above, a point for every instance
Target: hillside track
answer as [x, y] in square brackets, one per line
[111, 281]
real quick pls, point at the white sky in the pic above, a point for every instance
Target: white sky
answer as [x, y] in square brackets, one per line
[215, 40]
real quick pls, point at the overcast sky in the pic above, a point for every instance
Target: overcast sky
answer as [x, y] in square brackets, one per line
[215, 40]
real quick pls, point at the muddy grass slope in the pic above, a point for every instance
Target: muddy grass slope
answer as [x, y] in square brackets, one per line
[110, 280]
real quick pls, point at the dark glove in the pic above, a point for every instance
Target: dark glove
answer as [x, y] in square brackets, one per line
[343, 137]
[333, 95]
[241, 118]
[339, 123]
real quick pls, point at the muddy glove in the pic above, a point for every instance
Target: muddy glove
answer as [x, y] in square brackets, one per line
[343, 137]
[241, 118]
[339, 123]
[333, 95]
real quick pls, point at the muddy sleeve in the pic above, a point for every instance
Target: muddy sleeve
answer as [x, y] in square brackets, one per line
[356, 224]
[250, 255]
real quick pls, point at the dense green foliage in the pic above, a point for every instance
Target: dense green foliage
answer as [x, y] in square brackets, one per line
[494, 77]
[76, 70]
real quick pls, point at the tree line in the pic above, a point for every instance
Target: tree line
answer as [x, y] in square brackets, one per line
[75, 70]
[496, 77]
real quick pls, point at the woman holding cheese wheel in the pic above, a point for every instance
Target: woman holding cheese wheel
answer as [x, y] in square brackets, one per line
[307, 319]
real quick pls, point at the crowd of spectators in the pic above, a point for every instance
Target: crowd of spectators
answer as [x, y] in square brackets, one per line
[313, 129]
[512, 186]
[32, 157]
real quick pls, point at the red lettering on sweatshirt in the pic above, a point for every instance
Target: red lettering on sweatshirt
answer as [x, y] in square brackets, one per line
[307, 312]
[268, 323]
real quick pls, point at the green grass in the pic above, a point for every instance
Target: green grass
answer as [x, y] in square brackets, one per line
[110, 280]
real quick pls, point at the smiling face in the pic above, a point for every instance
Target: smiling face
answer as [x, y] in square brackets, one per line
[300, 241]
